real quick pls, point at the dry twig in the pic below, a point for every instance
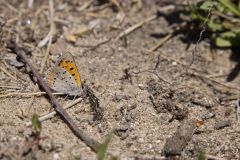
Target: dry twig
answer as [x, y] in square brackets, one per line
[9, 87]
[79, 133]
[85, 5]
[92, 48]
[208, 156]
[9, 74]
[10, 6]
[48, 39]
[200, 36]
[168, 36]
[25, 94]
[197, 73]
[47, 116]
[136, 26]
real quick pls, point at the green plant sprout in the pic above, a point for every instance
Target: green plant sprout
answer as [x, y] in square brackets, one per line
[201, 155]
[102, 148]
[36, 124]
[223, 22]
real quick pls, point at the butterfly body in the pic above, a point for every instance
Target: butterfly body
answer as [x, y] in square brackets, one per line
[64, 76]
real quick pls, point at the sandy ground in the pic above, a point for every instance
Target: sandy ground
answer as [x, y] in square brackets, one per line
[145, 95]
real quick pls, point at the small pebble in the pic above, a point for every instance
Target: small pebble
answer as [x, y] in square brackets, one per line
[56, 156]
[222, 124]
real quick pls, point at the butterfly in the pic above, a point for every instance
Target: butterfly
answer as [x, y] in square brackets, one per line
[64, 76]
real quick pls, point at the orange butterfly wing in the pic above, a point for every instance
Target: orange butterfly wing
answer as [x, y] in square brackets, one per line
[67, 62]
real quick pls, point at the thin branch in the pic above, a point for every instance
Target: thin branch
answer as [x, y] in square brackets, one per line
[30, 3]
[10, 87]
[48, 39]
[47, 116]
[79, 133]
[198, 73]
[169, 35]
[161, 42]
[49, 36]
[200, 36]
[85, 5]
[92, 48]
[10, 6]
[136, 26]
[208, 156]
[25, 94]
[6, 72]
